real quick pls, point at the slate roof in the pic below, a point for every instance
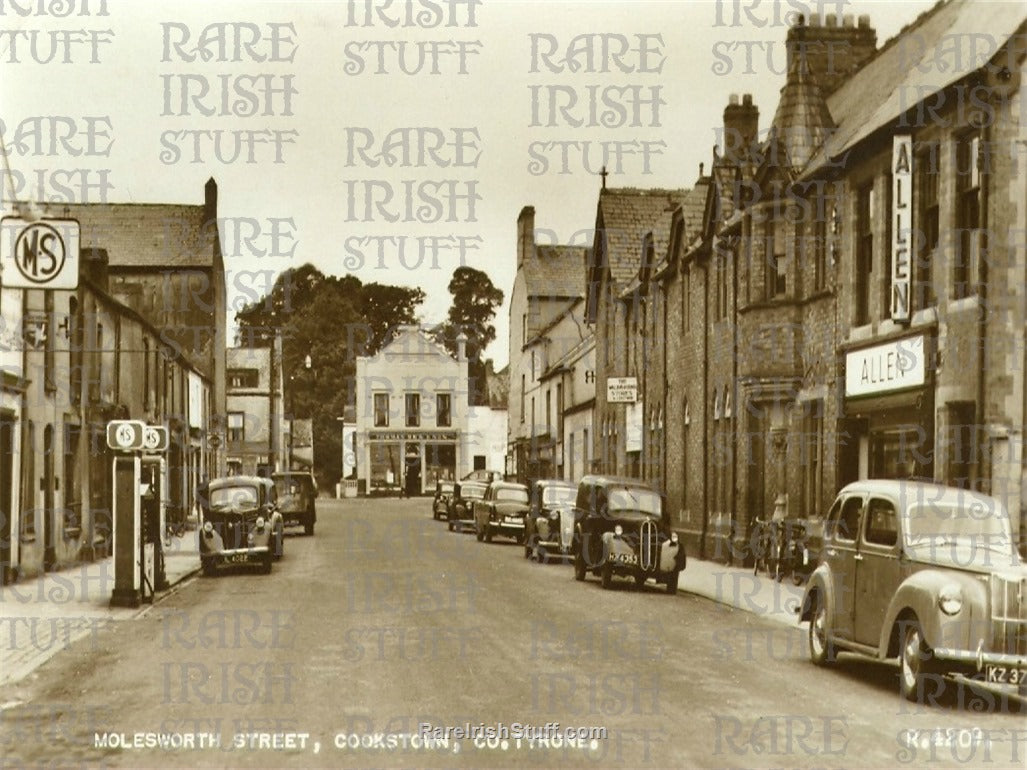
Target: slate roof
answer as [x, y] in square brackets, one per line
[930, 54]
[556, 271]
[626, 215]
[151, 235]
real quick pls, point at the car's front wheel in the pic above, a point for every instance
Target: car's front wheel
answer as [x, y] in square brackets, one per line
[821, 651]
[488, 532]
[266, 566]
[450, 524]
[308, 528]
[606, 574]
[672, 583]
[640, 579]
[579, 563]
[478, 534]
[913, 660]
[209, 567]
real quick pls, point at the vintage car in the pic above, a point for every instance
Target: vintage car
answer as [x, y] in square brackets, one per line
[483, 475]
[461, 512]
[297, 495]
[241, 523]
[550, 521]
[501, 511]
[443, 497]
[622, 528]
[924, 573]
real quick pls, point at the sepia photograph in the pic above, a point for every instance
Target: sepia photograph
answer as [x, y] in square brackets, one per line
[513, 384]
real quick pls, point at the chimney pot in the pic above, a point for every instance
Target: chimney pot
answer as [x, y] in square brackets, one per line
[847, 20]
[814, 20]
[831, 20]
[800, 20]
[732, 99]
[864, 21]
[747, 100]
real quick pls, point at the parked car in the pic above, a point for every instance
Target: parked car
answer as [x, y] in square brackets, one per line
[461, 513]
[443, 497]
[241, 523]
[297, 495]
[622, 528]
[550, 521]
[924, 573]
[501, 511]
[483, 475]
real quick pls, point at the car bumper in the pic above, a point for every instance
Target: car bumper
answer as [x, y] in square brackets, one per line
[979, 660]
[507, 527]
[257, 555]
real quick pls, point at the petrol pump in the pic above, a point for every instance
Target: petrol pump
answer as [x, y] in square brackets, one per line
[139, 474]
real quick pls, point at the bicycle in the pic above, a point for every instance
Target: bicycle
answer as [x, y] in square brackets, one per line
[769, 548]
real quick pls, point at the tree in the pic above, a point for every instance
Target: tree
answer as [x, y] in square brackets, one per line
[475, 300]
[333, 320]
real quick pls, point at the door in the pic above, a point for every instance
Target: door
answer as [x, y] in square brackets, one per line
[413, 475]
[840, 554]
[6, 496]
[877, 569]
[49, 550]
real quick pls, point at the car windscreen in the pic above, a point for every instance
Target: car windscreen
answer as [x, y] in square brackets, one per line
[559, 495]
[290, 485]
[445, 487]
[641, 500]
[972, 524]
[236, 498]
[512, 494]
[472, 492]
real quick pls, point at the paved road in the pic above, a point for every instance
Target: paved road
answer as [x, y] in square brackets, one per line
[384, 620]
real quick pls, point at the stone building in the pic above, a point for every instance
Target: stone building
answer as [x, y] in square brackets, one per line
[412, 416]
[256, 436]
[548, 288]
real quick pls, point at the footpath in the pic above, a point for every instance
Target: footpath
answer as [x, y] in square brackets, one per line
[41, 616]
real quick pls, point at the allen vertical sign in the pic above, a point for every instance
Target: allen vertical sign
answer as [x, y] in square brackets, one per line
[902, 226]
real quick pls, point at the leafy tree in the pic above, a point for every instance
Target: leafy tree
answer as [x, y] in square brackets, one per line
[333, 320]
[475, 300]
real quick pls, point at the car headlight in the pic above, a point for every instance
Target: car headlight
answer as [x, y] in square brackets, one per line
[618, 530]
[950, 599]
[260, 523]
[208, 528]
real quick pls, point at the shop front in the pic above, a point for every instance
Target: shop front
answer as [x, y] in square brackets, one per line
[887, 428]
[410, 462]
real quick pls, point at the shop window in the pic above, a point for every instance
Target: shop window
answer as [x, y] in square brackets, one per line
[443, 410]
[413, 410]
[381, 410]
[236, 426]
[385, 464]
[881, 524]
[969, 231]
[864, 253]
[927, 235]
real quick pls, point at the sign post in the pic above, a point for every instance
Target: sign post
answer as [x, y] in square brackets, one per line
[39, 255]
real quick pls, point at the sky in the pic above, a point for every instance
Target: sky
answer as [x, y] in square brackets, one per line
[391, 141]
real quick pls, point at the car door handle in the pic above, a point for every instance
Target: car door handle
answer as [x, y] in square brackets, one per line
[858, 557]
[832, 552]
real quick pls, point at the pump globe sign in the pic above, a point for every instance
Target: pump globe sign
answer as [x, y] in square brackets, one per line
[39, 255]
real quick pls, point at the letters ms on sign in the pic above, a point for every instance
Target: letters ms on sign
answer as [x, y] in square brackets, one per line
[39, 255]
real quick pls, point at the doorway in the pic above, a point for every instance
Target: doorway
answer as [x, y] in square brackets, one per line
[6, 496]
[412, 480]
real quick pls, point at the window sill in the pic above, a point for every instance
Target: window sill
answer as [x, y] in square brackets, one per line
[971, 302]
[28, 538]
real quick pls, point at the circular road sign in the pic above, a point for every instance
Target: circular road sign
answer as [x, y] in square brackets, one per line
[39, 253]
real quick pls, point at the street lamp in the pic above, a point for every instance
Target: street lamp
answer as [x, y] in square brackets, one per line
[308, 365]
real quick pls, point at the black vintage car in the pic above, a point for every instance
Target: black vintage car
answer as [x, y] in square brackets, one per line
[501, 511]
[622, 528]
[550, 521]
[443, 498]
[297, 493]
[461, 511]
[241, 523]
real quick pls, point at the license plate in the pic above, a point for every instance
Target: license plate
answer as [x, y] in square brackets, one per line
[1004, 674]
[625, 558]
[237, 558]
[512, 520]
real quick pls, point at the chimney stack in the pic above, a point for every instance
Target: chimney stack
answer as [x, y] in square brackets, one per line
[831, 52]
[741, 129]
[461, 347]
[525, 235]
[210, 201]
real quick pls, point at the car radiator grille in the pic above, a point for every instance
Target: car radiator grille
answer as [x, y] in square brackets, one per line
[1009, 615]
[648, 547]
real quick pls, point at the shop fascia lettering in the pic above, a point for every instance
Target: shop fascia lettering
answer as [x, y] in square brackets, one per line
[883, 368]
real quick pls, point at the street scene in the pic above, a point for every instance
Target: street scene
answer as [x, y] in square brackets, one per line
[498, 384]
